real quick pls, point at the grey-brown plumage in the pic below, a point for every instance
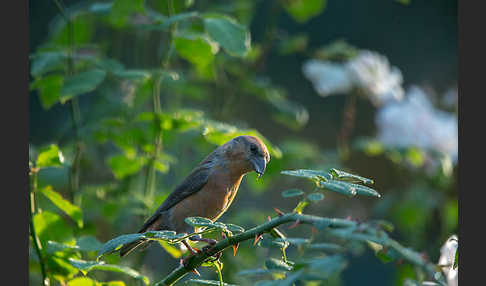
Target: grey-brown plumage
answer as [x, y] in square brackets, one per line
[209, 189]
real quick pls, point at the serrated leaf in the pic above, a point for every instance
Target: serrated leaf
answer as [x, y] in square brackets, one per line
[309, 174]
[232, 36]
[315, 197]
[338, 187]
[50, 157]
[117, 242]
[198, 221]
[292, 193]
[71, 210]
[81, 83]
[276, 264]
[344, 176]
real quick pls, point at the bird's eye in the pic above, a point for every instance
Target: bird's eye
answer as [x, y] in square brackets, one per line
[253, 148]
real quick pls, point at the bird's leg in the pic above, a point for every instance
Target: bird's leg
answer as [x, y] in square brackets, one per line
[191, 250]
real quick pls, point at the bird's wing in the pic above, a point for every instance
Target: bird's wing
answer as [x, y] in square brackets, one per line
[194, 182]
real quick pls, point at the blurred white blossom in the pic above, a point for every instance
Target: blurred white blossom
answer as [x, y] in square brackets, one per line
[447, 257]
[327, 77]
[368, 71]
[372, 73]
[416, 122]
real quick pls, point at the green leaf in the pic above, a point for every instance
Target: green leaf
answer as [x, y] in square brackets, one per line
[83, 281]
[162, 235]
[315, 197]
[233, 37]
[51, 226]
[50, 157]
[205, 282]
[88, 243]
[45, 62]
[339, 187]
[253, 272]
[71, 210]
[49, 88]
[123, 9]
[117, 242]
[87, 266]
[277, 264]
[123, 166]
[294, 241]
[234, 228]
[300, 206]
[309, 174]
[292, 193]
[303, 10]
[81, 83]
[366, 191]
[163, 23]
[326, 247]
[196, 49]
[198, 221]
[341, 175]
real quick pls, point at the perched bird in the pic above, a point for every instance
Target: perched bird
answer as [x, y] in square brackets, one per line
[208, 190]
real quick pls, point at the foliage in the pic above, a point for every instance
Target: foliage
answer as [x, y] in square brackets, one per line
[154, 86]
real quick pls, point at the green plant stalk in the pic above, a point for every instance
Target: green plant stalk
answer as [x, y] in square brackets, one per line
[33, 233]
[151, 175]
[220, 274]
[75, 111]
[196, 260]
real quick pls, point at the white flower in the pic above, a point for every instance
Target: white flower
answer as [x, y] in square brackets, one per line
[327, 77]
[447, 257]
[372, 73]
[368, 71]
[416, 122]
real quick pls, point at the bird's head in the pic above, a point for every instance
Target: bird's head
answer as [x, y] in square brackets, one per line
[248, 153]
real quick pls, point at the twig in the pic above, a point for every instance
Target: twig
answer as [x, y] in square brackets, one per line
[329, 223]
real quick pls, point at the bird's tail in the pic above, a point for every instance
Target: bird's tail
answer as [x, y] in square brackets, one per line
[126, 249]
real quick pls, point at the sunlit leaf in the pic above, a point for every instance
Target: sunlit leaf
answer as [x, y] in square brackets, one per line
[232, 36]
[83, 281]
[197, 49]
[51, 226]
[87, 266]
[71, 210]
[123, 166]
[50, 157]
[304, 10]
[300, 206]
[205, 282]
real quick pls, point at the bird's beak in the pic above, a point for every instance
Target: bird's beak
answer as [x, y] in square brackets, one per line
[259, 165]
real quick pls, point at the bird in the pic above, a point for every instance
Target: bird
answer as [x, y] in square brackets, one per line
[208, 190]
